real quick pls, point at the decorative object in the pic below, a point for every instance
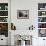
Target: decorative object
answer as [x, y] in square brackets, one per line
[41, 19]
[3, 6]
[6, 7]
[13, 27]
[3, 13]
[22, 43]
[3, 19]
[22, 14]
[43, 13]
[31, 27]
[41, 6]
[27, 38]
[0, 7]
[4, 29]
[23, 40]
[41, 25]
[42, 32]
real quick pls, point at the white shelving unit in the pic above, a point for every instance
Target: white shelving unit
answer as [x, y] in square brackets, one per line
[42, 18]
[4, 22]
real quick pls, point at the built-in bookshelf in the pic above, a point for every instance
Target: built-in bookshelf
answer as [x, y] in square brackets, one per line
[4, 19]
[42, 19]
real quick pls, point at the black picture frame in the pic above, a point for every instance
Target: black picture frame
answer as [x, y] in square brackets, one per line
[22, 14]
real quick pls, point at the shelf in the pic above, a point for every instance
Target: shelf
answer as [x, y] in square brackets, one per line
[41, 22]
[3, 16]
[3, 10]
[3, 22]
[41, 28]
[41, 10]
[42, 16]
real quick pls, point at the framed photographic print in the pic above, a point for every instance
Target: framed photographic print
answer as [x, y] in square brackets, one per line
[22, 14]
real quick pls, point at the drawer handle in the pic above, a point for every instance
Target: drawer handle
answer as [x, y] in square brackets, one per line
[1, 39]
[43, 39]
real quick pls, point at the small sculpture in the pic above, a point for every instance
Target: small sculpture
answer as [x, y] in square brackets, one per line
[31, 27]
[13, 27]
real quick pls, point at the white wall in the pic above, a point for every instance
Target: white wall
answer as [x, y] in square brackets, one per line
[23, 24]
[32, 6]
